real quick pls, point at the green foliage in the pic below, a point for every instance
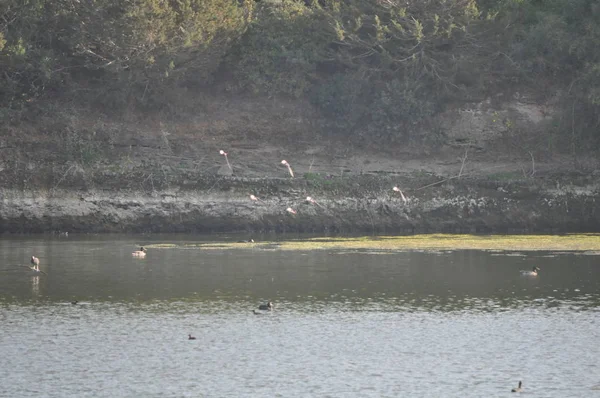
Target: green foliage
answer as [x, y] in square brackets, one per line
[375, 69]
[396, 110]
[281, 49]
[558, 40]
[343, 98]
[108, 46]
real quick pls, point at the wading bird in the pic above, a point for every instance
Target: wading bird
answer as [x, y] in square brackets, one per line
[289, 167]
[35, 267]
[255, 199]
[404, 199]
[314, 202]
[290, 210]
[222, 152]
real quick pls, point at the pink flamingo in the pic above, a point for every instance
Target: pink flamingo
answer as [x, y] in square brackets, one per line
[289, 167]
[314, 202]
[396, 189]
[254, 198]
[222, 152]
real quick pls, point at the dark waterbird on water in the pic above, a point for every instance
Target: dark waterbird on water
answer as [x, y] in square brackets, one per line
[190, 337]
[518, 389]
[74, 302]
[266, 307]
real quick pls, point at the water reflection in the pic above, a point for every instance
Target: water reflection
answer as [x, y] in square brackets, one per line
[35, 286]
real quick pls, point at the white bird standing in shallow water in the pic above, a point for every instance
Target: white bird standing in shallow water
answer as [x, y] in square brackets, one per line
[533, 272]
[35, 267]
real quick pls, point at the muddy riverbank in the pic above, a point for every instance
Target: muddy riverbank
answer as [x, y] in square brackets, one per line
[84, 172]
[344, 204]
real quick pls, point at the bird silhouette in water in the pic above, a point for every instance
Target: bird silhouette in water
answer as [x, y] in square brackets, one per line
[518, 389]
[74, 302]
[190, 337]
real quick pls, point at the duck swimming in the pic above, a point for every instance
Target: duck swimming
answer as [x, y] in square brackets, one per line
[533, 272]
[266, 307]
[246, 241]
[518, 389]
[190, 337]
[139, 253]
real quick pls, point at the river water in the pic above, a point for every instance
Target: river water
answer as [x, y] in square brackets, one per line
[359, 323]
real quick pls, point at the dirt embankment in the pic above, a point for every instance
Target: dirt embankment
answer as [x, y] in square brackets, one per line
[94, 174]
[364, 204]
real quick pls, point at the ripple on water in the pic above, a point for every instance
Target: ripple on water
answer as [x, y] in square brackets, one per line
[410, 323]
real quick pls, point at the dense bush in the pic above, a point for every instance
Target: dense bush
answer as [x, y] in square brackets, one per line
[374, 68]
[111, 49]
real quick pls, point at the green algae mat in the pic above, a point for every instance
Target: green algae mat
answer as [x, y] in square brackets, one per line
[433, 242]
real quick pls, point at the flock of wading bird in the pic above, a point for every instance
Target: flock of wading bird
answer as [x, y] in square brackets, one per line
[265, 308]
[308, 198]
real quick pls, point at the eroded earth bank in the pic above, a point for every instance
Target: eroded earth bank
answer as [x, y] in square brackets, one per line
[149, 175]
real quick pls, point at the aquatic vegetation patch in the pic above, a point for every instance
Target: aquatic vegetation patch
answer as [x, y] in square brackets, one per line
[430, 243]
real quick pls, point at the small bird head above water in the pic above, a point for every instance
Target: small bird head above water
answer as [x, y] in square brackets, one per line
[190, 337]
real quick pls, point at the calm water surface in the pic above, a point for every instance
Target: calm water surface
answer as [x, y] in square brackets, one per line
[346, 323]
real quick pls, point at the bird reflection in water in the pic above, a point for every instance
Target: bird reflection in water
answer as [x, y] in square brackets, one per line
[35, 285]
